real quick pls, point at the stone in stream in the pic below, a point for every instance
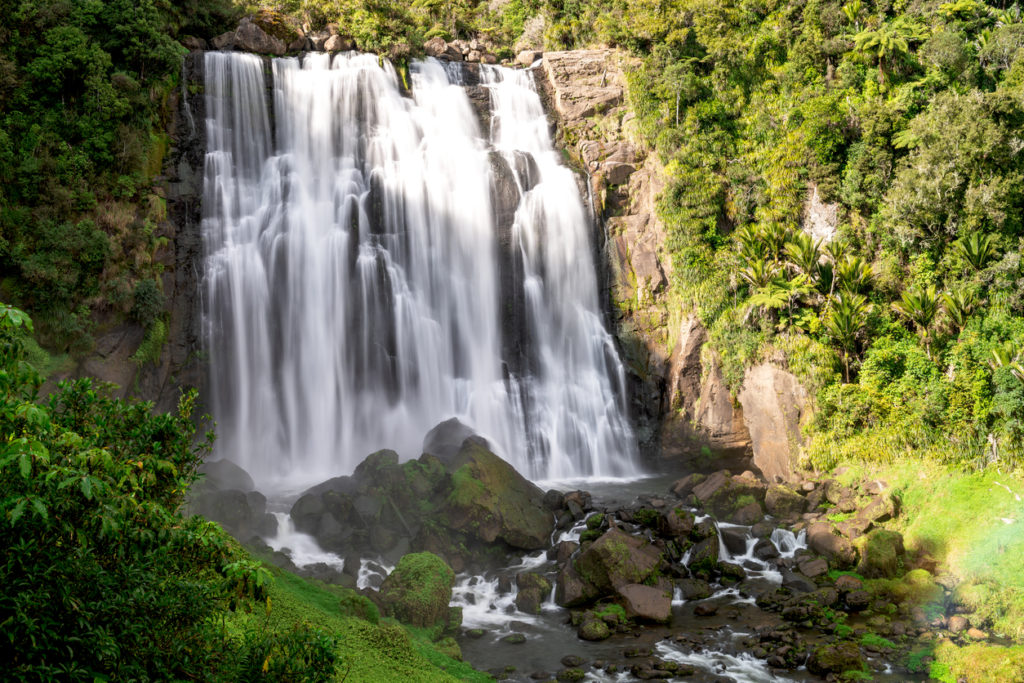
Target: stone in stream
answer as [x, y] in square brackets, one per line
[705, 609]
[514, 639]
[646, 603]
[533, 590]
[616, 559]
[694, 589]
[676, 523]
[813, 567]
[735, 539]
[593, 627]
[765, 550]
[704, 556]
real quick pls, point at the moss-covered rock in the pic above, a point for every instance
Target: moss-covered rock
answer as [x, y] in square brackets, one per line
[490, 500]
[835, 659]
[356, 605]
[616, 559]
[593, 627]
[881, 554]
[418, 591]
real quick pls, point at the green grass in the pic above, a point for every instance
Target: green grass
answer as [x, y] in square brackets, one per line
[970, 524]
[876, 642]
[368, 652]
[978, 663]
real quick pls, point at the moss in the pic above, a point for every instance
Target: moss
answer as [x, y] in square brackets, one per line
[646, 517]
[595, 521]
[612, 612]
[919, 658]
[419, 589]
[876, 642]
[590, 535]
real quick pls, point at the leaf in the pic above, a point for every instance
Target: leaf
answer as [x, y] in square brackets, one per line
[18, 511]
[40, 508]
[25, 465]
[87, 488]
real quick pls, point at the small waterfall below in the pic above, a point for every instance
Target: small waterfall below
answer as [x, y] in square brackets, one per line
[363, 282]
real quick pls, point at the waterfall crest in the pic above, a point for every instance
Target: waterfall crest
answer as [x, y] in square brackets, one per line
[362, 285]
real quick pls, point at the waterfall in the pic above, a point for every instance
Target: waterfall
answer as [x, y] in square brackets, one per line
[363, 282]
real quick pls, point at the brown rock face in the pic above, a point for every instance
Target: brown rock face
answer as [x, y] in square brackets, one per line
[774, 403]
[583, 83]
[837, 550]
[646, 602]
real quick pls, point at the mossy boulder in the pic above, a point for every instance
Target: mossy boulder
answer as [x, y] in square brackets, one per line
[835, 659]
[490, 500]
[784, 503]
[593, 627]
[533, 590]
[616, 559]
[881, 554]
[418, 591]
[357, 605]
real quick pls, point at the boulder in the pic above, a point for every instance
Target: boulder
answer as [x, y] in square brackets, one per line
[241, 513]
[616, 559]
[446, 438]
[835, 659]
[593, 627]
[490, 500]
[338, 43]
[646, 602]
[839, 552]
[694, 589]
[881, 554]
[571, 590]
[418, 591]
[221, 475]
[251, 38]
[533, 590]
[528, 57]
[704, 555]
[784, 503]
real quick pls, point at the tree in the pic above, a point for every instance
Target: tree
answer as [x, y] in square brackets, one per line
[804, 253]
[977, 249]
[854, 274]
[919, 306]
[959, 305]
[889, 43]
[844, 322]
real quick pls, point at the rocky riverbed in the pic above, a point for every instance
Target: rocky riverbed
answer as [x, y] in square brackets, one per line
[711, 577]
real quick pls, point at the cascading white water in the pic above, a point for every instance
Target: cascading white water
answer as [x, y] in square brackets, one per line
[353, 288]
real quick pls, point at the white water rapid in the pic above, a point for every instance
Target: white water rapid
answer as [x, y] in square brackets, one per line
[364, 282]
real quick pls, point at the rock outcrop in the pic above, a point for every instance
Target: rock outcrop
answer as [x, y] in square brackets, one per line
[774, 406]
[459, 500]
[250, 37]
[419, 590]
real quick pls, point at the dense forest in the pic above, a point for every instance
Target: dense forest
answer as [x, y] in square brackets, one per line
[907, 326]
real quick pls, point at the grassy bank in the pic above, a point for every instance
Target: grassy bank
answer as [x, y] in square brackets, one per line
[971, 526]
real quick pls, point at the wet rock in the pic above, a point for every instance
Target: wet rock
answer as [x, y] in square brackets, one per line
[571, 675]
[835, 659]
[705, 609]
[491, 501]
[762, 530]
[684, 487]
[616, 559]
[553, 500]
[222, 475]
[593, 628]
[735, 539]
[765, 550]
[731, 573]
[704, 529]
[418, 591]
[848, 584]
[564, 550]
[881, 554]
[572, 661]
[838, 550]
[514, 639]
[676, 523]
[704, 556]
[747, 515]
[694, 589]
[646, 602]
[533, 590]
[710, 485]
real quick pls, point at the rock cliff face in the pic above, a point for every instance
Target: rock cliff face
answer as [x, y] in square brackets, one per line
[586, 92]
[181, 184]
[682, 407]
